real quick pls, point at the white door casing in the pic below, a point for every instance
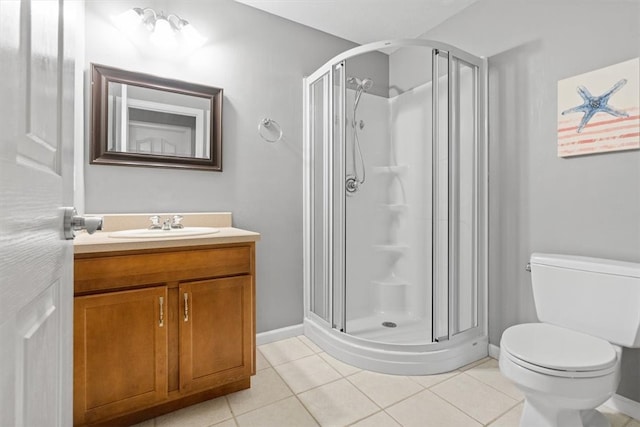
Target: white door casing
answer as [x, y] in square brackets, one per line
[36, 181]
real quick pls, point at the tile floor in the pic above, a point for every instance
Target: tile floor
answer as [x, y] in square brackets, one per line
[299, 385]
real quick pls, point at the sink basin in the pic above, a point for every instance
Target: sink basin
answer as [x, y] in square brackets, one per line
[144, 233]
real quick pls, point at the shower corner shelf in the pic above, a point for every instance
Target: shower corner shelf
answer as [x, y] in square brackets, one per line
[395, 169]
[390, 281]
[391, 248]
[395, 207]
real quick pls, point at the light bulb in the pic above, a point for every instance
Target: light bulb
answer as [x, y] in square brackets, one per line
[192, 36]
[129, 20]
[163, 35]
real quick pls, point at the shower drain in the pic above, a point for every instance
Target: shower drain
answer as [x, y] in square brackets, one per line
[389, 324]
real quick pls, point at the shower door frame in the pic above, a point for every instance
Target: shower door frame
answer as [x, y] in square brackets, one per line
[335, 191]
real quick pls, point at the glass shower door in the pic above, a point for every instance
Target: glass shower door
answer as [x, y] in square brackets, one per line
[325, 101]
[319, 110]
[457, 185]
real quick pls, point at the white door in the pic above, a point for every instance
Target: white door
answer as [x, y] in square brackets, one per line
[36, 180]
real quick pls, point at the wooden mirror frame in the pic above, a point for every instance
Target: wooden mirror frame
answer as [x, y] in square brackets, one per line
[102, 75]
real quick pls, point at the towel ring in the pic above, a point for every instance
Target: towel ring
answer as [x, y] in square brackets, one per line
[267, 128]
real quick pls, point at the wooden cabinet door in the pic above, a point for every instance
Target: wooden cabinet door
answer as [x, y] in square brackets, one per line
[120, 352]
[216, 330]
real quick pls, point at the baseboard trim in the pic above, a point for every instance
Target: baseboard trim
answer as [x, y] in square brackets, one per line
[624, 405]
[494, 351]
[279, 334]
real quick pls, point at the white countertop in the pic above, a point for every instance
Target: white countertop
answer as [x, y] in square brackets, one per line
[100, 241]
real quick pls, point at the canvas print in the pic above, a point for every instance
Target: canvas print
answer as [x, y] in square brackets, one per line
[599, 111]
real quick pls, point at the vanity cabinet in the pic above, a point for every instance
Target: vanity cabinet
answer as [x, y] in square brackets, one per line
[157, 330]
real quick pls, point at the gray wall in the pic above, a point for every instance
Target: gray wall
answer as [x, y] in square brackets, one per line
[587, 205]
[259, 60]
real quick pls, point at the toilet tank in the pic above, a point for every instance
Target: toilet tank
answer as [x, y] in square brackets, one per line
[599, 297]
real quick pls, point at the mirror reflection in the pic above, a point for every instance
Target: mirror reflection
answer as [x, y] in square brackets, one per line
[150, 121]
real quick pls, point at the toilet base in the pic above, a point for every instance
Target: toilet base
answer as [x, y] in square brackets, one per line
[536, 414]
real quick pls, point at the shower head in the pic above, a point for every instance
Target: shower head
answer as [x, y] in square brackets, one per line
[364, 84]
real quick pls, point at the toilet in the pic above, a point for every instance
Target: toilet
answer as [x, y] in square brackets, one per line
[569, 364]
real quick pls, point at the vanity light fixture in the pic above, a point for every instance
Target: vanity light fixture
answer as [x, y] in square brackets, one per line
[166, 30]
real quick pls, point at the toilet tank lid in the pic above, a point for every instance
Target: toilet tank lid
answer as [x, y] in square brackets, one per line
[596, 265]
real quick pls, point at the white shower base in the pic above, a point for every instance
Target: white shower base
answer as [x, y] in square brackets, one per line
[409, 329]
[398, 359]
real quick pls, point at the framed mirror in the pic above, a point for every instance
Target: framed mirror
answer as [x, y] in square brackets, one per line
[143, 120]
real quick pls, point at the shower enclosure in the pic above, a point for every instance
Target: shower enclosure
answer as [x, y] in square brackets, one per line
[395, 207]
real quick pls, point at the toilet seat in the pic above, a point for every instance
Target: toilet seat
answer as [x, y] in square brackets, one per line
[557, 351]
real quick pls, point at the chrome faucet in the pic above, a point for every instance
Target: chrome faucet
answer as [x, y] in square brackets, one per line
[176, 221]
[168, 224]
[155, 223]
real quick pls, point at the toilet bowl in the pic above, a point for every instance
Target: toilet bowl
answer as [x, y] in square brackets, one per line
[563, 374]
[569, 364]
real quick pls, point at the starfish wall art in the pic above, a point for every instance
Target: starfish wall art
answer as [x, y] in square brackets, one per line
[608, 121]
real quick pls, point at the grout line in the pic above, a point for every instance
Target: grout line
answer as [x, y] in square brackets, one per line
[262, 406]
[298, 398]
[503, 414]
[521, 399]
[307, 409]
[457, 407]
[391, 404]
[412, 377]
[364, 418]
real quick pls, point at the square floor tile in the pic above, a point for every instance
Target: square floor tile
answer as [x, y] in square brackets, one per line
[200, 415]
[284, 413]
[489, 373]
[266, 387]
[228, 423]
[307, 373]
[384, 389]
[482, 402]
[426, 409]
[338, 403]
[310, 344]
[343, 368]
[381, 419]
[284, 351]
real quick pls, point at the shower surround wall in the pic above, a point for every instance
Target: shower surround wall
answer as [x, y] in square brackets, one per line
[388, 228]
[389, 220]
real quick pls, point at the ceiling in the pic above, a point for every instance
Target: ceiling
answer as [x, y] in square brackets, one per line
[365, 21]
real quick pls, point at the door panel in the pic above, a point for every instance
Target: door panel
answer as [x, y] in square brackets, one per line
[213, 314]
[36, 173]
[120, 352]
[37, 394]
